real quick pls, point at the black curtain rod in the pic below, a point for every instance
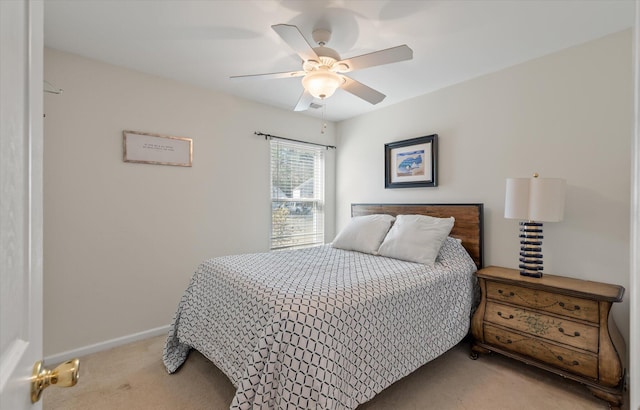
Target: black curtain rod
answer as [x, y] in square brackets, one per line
[267, 136]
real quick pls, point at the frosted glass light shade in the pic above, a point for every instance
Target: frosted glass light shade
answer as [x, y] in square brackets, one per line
[321, 84]
[535, 199]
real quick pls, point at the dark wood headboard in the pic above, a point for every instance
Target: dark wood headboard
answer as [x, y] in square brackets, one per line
[468, 225]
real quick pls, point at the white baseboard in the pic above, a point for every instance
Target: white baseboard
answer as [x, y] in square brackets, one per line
[109, 344]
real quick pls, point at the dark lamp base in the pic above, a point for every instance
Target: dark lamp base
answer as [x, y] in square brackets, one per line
[531, 249]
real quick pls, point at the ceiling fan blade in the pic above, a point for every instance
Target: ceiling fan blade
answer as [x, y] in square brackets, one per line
[360, 90]
[292, 36]
[304, 102]
[389, 55]
[287, 74]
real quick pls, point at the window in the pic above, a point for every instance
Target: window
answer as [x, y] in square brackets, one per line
[297, 195]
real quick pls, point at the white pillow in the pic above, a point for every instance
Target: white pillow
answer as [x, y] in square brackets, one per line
[416, 238]
[364, 233]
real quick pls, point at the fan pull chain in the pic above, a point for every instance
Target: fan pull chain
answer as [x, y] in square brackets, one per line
[323, 123]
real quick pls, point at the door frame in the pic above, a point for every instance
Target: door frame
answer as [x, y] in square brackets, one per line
[634, 271]
[19, 355]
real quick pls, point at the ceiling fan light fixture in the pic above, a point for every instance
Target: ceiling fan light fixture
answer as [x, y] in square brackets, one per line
[323, 69]
[322, 84]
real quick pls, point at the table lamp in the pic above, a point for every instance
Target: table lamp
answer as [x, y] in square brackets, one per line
[533, 201]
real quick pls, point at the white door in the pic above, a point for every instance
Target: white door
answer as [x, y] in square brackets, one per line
[21, 27]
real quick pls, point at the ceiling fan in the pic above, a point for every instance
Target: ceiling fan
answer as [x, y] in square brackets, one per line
[323, 69]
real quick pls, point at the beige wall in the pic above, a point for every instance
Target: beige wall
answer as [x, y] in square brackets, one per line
[121, 239]
[566, 115]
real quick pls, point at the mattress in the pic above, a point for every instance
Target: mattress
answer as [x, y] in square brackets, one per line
[321, 327]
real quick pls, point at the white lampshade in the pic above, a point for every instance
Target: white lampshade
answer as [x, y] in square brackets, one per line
[322, 83]
[535, 199]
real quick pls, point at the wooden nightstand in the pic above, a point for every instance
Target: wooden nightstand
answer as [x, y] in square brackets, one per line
[556, 323]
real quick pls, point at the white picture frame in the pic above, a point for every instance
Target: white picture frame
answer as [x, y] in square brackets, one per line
[145, 148]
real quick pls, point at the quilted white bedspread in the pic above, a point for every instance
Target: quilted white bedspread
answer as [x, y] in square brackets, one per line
[320, 328]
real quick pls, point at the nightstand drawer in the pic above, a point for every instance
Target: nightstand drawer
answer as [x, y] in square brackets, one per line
[575, 362]
[568, 306]
[574, 334]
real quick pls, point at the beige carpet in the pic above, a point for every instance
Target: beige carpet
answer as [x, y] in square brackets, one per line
[133, 377]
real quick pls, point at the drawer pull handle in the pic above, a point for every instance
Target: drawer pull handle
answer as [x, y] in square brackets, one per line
[500, 291]
[575, 307]
[508, 341]
[575, 334]
[573, 363]
[505, 317]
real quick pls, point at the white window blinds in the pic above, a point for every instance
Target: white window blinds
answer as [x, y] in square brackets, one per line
[297, 195]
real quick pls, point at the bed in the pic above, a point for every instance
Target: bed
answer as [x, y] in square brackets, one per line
[328, 328]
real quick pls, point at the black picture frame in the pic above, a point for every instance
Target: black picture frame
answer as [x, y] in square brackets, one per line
[411, 163]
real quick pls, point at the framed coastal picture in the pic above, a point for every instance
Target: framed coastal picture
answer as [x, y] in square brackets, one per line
[411, 163]
[157, 149]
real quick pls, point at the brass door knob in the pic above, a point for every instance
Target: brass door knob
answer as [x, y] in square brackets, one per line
[65, 375]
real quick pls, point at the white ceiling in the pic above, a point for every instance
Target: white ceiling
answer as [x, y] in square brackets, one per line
[205, 42]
